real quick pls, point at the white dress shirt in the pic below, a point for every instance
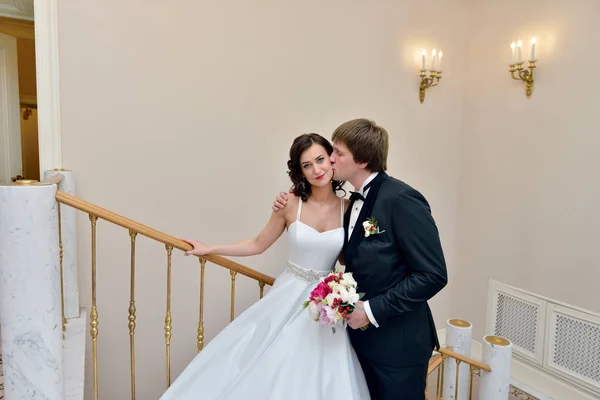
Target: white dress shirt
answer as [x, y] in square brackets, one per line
[354, 213]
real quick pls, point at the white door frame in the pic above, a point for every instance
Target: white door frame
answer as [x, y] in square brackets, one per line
[48, 99]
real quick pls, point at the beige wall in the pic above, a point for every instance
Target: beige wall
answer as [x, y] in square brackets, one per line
[180, 115]
[529, 190]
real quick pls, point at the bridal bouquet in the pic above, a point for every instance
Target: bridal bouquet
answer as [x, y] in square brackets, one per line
[333, 299]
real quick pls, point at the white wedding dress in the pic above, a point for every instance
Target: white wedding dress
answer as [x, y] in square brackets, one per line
[274, 350]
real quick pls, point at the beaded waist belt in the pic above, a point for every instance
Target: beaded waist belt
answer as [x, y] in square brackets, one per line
[307, 275]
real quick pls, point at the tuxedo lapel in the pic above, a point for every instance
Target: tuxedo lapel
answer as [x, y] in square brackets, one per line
[347, 223]
[358, 232]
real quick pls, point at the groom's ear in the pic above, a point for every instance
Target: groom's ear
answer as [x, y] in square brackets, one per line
[362, 165]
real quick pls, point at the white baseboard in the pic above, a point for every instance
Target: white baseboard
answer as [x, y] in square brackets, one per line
[530, 379]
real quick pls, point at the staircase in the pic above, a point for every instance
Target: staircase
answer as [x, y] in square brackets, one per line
[75, 351]
[64, 377]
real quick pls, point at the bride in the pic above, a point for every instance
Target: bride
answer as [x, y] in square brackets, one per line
[274, 350]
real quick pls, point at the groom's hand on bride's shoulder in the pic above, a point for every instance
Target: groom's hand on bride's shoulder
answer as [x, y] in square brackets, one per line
[281, 200]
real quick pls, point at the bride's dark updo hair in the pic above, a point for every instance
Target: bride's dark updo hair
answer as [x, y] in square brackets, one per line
[301, 186]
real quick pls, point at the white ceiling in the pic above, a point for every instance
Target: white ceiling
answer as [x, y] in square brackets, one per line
[21, 9]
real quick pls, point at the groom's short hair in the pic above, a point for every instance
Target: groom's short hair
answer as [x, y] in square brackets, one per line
[367, 141]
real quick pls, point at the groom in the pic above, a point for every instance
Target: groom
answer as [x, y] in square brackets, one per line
[399, 264]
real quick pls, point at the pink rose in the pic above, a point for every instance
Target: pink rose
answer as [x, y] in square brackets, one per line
[321, 291]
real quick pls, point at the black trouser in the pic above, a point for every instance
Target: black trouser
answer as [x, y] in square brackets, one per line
[395, 383]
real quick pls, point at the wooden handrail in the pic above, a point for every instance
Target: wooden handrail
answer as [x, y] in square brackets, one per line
[465, 359]
[54, 179]
[159, 236]
[434, 363]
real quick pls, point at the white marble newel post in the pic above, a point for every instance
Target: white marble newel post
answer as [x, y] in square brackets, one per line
[30, 304]
[69, 239]
[459, 336]
[497, 353]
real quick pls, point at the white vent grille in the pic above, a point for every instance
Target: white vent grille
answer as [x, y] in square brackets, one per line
[574, 345]
[516, 320]
[518, 317]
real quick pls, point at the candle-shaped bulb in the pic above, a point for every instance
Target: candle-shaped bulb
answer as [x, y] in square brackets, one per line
[513, 46]
[519, 50]
[440, 54]
[423, 56]
[433, 56]
[533, 42]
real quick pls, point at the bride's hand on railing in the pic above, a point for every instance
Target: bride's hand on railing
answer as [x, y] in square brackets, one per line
[200, 249]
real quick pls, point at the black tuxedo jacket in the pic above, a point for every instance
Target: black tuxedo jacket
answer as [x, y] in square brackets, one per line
[399, 270]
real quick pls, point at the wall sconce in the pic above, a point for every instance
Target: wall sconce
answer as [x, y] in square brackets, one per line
[434, 74]
[523, 74]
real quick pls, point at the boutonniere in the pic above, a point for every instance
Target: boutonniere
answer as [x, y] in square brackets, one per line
[371, 227]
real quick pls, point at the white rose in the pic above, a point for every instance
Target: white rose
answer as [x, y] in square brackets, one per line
[336, 287]
[329, 299]
[313, 310]
[348, 280]
[344, 294]
[352, 296]
[366, 224]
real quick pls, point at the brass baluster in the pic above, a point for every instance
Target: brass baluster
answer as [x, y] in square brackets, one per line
[168, 316]
[456, 384]
[232, 313]
[472, 371]
[62, 281]
[438, 389]
[441, 386]
[261, 285]
[200, 343]
[94, 312]
[131, 317]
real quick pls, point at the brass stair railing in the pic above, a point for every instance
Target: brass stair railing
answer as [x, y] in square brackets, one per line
[95, 213]
[438, 362]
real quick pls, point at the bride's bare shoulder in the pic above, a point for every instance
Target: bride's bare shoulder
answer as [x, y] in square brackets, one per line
[291, 207]
[292, 201]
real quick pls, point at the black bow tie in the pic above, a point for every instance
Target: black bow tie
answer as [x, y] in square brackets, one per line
[356, 196]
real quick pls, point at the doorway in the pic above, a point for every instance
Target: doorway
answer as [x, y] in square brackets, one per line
[19, 144]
